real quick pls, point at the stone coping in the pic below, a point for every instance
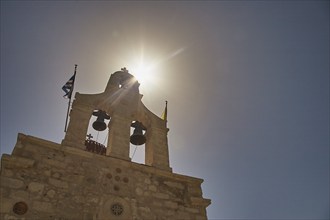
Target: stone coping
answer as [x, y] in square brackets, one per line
[22, 138]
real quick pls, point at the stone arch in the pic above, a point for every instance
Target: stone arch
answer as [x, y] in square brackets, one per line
[124, 105]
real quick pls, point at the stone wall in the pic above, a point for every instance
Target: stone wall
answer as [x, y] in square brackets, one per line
[45, 180]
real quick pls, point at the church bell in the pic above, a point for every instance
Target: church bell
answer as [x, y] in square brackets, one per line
[138, 138]
[99, 124]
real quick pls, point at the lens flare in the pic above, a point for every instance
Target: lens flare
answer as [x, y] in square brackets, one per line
[144, 72]
[148, 70]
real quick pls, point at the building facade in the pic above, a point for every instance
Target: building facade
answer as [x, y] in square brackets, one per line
[81, 179]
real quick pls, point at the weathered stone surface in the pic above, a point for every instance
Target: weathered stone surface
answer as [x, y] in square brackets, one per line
[56, 175]
[58, 183]
[139, 191]
[83, 187]
[144, 209]
[16, 162]
[192, 210]
[19, 195]
[51, 193]
[172, 205]
[6, 205]
[42, 206]
[7, 172]
[174, 184]
[55, 163]
[152, 188]
[11, 182]
[36, 187]
[147, 181]
[161, 195]
[199, 201]
[11, 217]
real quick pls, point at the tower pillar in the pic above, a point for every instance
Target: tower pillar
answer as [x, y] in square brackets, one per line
[119, 133]
[156, 153]
[79, 120]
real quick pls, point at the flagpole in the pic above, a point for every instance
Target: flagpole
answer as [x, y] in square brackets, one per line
[166, 111]
[67, 113]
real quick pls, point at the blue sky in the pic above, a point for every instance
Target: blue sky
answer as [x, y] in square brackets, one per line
[247, 84]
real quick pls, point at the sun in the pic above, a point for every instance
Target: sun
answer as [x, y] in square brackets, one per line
[148, 70]
[143, 72]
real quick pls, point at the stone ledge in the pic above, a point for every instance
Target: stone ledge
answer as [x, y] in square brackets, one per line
[198, 201]
[75, 151]
[16, 162]
[11, 182]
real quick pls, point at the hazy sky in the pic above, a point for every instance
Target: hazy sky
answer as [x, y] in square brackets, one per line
[247, 84]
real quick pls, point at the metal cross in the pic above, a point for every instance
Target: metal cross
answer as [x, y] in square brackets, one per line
[124, 70]
[89, 136]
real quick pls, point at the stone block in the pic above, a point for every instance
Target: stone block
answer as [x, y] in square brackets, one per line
[147, 181]
[51, 193]
[58, 183]
[138, 191]
[55, 163]
[152, 188]
[174, 184]
[56, 175]
[199, 201]
[47, 172]
[4, 192]
[88, 216]
[158, 204]
[161, 195]
[7, 172]
[144, 209]
[11, 217]
[11, 183]
[195, 191]
[16, 162]
[200, 217]
[42, 206]
[19, 194]
[172, 205]
[35, 187]
[192, 210]
[6, 205]
[182, 216]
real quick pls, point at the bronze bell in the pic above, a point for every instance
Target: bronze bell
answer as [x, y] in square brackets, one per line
[138, 138]
[99, 124]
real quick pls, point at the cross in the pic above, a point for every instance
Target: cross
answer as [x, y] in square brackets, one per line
[89, 136]
[124, 70]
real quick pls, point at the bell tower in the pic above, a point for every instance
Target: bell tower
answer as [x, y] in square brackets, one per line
[83, 179]
[121, 103]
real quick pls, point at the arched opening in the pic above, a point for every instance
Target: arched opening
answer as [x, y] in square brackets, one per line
[137, 153]
[97, 133]
[137, 142]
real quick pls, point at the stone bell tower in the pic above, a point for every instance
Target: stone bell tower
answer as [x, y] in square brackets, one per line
[121, 100]
[81, 179]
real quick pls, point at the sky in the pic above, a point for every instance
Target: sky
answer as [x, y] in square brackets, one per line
[247, 85]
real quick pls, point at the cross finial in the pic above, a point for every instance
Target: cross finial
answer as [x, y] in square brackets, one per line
[124, 70]
[89, 136]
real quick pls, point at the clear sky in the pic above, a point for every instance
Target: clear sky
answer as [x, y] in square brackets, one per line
[247, 84]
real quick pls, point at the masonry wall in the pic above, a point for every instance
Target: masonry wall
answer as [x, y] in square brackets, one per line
[46, 180]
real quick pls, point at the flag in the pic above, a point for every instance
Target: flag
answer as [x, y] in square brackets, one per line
[164, 115]
[68, 86]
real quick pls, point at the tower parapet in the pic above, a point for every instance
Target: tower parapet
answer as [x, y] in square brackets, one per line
[121, 100]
